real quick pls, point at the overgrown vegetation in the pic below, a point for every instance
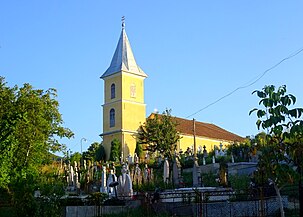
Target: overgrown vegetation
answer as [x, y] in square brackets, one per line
[159, 134]
[115, 152]
[30, 125]
[95, 152]
[283, 148]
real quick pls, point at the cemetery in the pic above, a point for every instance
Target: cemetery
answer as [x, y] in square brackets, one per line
[139, 168]
[164, 187]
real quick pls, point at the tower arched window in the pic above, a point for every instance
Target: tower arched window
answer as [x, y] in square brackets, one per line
[112, 91]
[112, 118]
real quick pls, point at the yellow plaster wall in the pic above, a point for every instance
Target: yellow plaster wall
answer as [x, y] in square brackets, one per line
[118, 117]
[133, 115]
[126, 138]
[128, 80]
[188, 141]
[117, 80]
[130, 143]
[130, 111]
[107, 139]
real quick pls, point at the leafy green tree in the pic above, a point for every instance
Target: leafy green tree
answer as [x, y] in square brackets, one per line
[115, 152]
[240, 151]
[95, 152]
[30, 128]
[260, 139]
[283, 147]
[139, 150]
[100, 153]
[159, 133]
[75, 157]
[8, 124]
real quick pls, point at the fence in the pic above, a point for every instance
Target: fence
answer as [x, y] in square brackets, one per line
[200, 202]
[258, 203]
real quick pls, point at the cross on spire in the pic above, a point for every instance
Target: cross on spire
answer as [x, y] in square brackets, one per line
[123, 21]
[123, 59]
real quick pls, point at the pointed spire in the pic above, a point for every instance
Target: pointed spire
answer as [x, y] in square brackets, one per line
[123, 59]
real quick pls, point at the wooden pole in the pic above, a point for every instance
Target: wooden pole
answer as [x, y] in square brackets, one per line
[194, 132]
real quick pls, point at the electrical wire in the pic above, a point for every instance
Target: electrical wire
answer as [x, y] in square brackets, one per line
[250, 83]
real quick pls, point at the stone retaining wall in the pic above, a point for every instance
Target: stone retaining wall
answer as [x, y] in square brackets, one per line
[92, 211]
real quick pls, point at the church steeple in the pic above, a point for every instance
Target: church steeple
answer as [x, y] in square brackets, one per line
[123, 59]
[124, 108]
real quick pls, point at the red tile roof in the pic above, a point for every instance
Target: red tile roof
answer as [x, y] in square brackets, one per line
[207, 130]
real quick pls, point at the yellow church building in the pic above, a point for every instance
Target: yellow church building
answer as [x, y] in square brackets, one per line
[124, 109]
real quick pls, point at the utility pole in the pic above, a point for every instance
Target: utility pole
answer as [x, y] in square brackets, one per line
[196, 169]
[194, 132]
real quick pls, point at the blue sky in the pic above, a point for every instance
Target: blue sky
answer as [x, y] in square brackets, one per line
[194, 52]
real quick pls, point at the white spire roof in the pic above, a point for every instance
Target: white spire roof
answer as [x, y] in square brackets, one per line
[123, 59]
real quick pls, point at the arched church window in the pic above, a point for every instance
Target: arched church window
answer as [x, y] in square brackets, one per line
[112, 91]
[112, 118]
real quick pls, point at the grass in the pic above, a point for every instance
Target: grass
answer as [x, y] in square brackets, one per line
[7, 211]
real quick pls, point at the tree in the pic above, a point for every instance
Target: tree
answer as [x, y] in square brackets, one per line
[8, 124]
[283, 147]
[115, 151]
[139, 150]
[30, 128]
[159, 133]
[240, 151]
[75, 157]
[95, 152]
[100, 153]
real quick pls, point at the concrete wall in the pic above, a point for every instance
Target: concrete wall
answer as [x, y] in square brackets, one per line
[92, 211]
[224, 208]
[241, 168]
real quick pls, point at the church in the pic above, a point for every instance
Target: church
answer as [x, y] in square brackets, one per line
[124, 109]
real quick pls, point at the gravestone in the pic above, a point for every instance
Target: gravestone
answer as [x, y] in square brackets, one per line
[125, 188]
[200, 150]
[177, 176]
[204, 152]
[84, 163]
[146, 174]
[221, 153]
[71, 176]
[136, 158]
[166, 171]
[196, 174]
[216, 153]
[130, 159]
[137, 176]
[76, 176]
[111, 178]
[95, 169]
[103, 187]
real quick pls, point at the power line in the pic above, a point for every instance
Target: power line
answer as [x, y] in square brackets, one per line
[249, 83]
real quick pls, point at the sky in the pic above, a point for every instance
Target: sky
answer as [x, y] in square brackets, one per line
[194, 53]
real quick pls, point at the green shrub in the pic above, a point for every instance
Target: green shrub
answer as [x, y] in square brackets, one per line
[239, 183]
[209, 180]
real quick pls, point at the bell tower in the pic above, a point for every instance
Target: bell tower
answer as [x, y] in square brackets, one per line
[123, 108]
